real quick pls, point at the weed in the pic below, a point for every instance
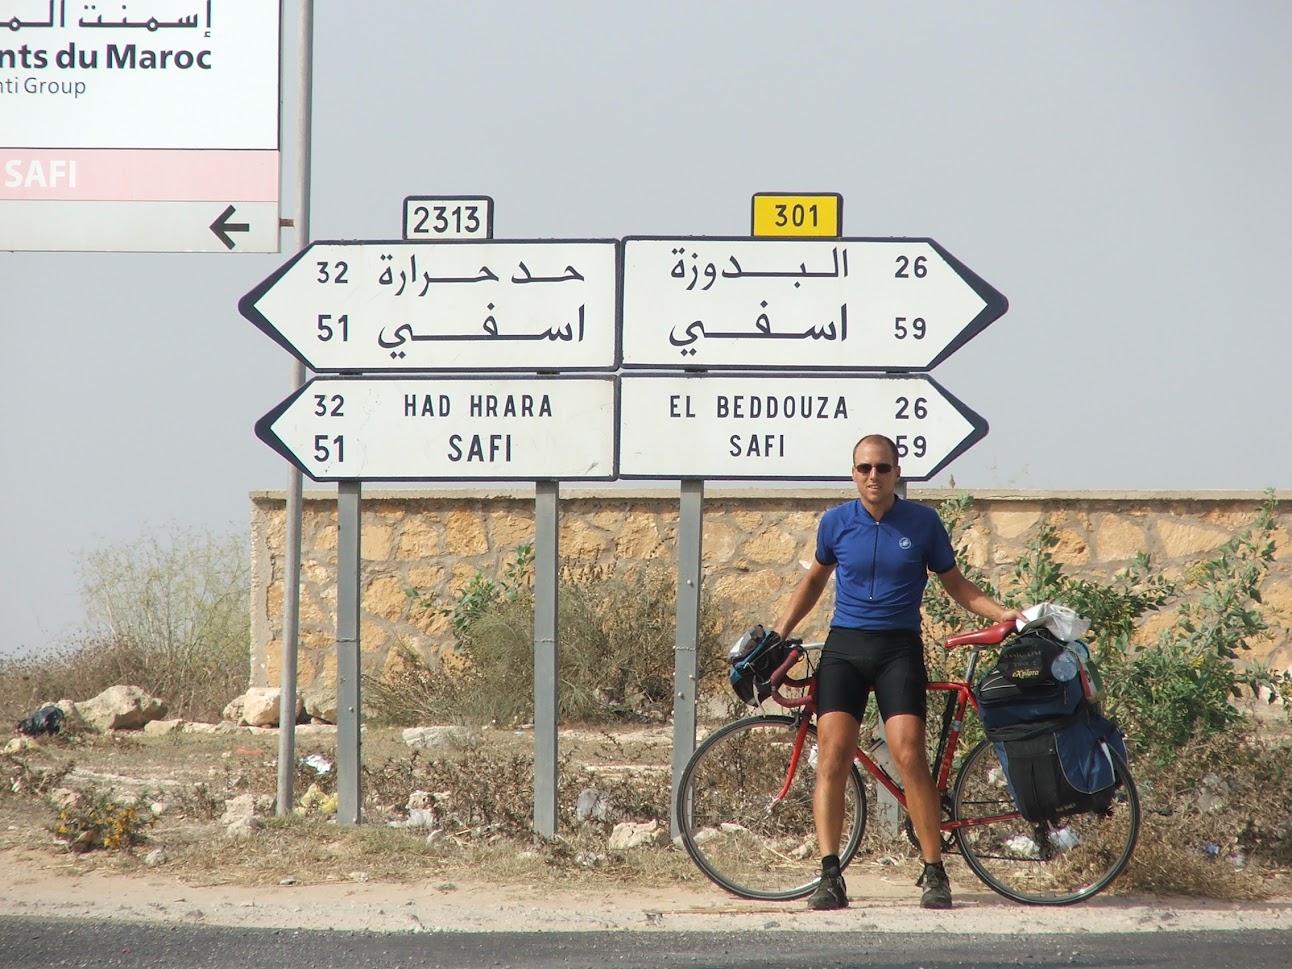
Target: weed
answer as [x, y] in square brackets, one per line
[19, 777]
[95, 820]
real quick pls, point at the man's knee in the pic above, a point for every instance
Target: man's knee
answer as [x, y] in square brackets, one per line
[836, 744]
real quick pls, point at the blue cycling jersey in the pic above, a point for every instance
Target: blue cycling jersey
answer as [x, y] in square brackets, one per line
[883, 565]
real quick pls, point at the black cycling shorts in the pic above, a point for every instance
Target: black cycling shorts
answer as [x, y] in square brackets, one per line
[856, 661]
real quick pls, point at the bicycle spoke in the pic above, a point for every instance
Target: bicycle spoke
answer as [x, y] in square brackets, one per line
[1041, 864]
[733, 826]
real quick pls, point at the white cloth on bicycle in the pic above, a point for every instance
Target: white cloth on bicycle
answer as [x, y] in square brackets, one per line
[1060, 620]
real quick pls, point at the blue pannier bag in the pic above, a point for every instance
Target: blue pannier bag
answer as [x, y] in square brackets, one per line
[1055, 747]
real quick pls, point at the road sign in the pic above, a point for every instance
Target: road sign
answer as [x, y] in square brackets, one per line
[448, 217]
[448, 428]
[446, 306]
[782, 426]
[805, 304]
[819, 214]
[128, 131]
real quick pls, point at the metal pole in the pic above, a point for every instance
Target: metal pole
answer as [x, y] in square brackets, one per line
[348, 700]
[295, 484]
[546, 654]
[685, 650]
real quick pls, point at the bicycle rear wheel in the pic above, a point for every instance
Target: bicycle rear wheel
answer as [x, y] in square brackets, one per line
[1041, 864]
[738, 831]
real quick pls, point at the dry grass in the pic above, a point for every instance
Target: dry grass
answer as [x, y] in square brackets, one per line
[483, 797]
[195, 687]
[617, 638]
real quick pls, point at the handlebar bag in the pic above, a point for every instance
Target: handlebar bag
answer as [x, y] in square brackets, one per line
[754, 659]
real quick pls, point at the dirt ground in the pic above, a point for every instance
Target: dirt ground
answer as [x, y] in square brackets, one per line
[39, 879]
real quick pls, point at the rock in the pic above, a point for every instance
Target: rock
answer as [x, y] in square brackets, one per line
[320, 704]
[631, 834]
[121, 708]
[160, 728]
[243, 827]
[233, 710]
[237, 808]
[259, 707]
[156, 857]
[434, 736]
[64, 798]
[17, 744]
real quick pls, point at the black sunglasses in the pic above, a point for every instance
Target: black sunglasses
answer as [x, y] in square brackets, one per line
[864, 469]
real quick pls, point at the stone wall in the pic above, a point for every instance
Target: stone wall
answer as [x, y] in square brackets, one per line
[756, 544]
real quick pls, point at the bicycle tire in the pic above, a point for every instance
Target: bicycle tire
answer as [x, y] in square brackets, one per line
[731, 824]
[1038, 864]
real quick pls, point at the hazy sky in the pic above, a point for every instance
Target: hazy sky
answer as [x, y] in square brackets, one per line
[1119, 171]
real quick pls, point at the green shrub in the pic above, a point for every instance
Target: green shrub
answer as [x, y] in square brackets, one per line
[1170, 692]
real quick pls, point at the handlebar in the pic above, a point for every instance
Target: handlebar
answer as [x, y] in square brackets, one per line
[990, 636]
[781, 676]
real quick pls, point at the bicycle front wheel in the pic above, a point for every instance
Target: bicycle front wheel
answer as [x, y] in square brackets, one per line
[1041, 864]
[738, 828]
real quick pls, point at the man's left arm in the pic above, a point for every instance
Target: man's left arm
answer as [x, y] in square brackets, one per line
[973, 598]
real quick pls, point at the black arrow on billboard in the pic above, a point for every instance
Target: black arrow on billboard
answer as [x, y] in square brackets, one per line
[222, 227]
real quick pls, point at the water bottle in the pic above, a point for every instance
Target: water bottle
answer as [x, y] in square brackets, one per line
[878, 752]
[1065, 665]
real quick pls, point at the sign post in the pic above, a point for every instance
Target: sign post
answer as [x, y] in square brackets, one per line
[399, 308]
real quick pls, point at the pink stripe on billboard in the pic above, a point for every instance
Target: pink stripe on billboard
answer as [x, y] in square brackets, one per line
[138, 175]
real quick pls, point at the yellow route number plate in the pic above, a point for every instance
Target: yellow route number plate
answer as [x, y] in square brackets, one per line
[798, 215]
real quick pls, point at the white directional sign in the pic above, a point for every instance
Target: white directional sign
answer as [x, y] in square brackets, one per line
[134, 127]
[461, 305]
[448, 428]
[807, 304]
[795, 427]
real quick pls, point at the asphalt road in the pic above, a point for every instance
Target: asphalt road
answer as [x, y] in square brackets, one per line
[47, 943]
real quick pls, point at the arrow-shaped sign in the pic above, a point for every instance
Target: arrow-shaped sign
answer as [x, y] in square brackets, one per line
[806, 304]
[456, 305]
[795, 427]
[222, 226]
[448, 428]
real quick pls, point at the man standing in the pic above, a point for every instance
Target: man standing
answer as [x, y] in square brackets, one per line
[881, 549]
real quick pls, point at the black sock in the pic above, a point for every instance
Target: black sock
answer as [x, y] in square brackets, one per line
[830, 865]
[933, 864]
